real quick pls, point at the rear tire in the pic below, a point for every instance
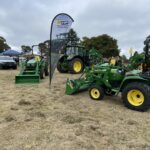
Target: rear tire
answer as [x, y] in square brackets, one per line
[76, 66]
[60, 69]
[136, 96]
[96, 92]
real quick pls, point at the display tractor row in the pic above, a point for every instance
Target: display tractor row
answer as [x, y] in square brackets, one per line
[107, 79]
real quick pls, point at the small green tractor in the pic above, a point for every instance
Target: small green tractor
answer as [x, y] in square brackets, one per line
[107, 79]
[33, 68]
[76, 57]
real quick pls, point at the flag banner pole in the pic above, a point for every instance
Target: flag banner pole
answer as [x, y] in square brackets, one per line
[60, 27]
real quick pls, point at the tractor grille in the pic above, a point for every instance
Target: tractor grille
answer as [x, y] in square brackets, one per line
[9, 64]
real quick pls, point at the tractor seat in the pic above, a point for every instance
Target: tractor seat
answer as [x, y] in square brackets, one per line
[112, 61]
[133, 72]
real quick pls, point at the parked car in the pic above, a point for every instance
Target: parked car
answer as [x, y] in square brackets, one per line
[7, 62]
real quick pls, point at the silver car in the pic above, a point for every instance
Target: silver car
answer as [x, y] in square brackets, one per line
[7, 62]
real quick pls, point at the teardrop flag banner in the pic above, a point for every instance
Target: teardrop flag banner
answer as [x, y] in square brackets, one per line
[60, 26]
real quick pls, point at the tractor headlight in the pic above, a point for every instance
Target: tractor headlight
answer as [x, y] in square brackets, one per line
[121, 71]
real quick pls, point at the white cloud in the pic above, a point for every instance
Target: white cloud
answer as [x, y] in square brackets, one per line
[28, 21]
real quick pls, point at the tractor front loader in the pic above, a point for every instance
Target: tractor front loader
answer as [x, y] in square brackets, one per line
[107, 79]
[32, 70]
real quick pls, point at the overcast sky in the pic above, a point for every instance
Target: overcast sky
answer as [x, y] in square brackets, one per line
[27, 22]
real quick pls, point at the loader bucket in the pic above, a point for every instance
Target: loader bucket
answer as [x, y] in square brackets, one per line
[70, 87]
[74, 86]
[27, 79]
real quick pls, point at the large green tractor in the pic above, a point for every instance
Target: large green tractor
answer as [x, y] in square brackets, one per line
[136, 61]
[107, 79]
[76, 57]
[32, 69]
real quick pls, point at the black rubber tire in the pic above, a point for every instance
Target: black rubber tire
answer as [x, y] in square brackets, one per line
[15, 67]
[42, 75]
[71, 64]
[101, 91]
[145, 89]
[46, 71]
[59, 68]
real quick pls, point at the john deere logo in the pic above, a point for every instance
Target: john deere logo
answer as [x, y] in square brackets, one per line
[61, 23]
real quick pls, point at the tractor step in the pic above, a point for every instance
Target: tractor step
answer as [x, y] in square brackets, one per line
[27, 79]
[115, 90]
[29, 72]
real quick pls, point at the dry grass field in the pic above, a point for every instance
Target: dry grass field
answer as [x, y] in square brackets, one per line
[34, 117]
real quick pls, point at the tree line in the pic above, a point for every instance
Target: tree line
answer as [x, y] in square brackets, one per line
[107, 45]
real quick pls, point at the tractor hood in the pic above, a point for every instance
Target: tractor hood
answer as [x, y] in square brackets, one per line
[32, 61]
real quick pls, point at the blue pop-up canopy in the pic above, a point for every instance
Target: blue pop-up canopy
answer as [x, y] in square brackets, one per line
[11, 52]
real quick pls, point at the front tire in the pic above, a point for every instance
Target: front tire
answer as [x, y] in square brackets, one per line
[76, 66]
[136, 96]
[15, 67]
[46, 71]
[42, 74]
[96, 92]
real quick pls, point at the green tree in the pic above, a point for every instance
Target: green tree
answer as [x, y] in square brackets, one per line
[3, 45]
[105, 43]
[72, 36]
[47, 47]
[26, 48]
[6, 46]
[124, 58]
[42, 48]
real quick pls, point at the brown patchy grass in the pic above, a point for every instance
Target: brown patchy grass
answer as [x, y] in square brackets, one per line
[34, 117]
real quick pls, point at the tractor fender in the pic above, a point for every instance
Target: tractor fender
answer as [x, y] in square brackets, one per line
[62, 58]
[130, 79]
[70, 58]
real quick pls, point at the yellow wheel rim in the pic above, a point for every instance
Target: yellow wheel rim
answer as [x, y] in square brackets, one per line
[135, 97]
[77, 66]
[140, 67]
[95, 93]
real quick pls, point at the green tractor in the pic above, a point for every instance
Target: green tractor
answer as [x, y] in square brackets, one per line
[136, 61]
[33, 68]
[107, 79]
[76, 57]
